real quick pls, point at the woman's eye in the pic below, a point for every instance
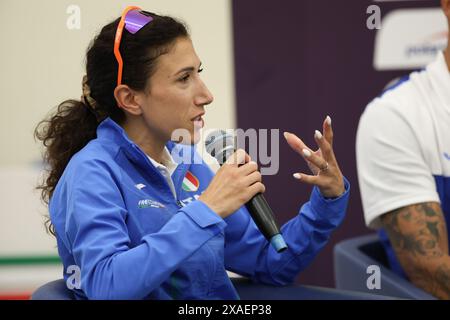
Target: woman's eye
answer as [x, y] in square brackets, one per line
[185, 78]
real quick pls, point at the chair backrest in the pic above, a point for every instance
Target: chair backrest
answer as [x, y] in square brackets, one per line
[55, 290]
[375, 250]
[352, 258]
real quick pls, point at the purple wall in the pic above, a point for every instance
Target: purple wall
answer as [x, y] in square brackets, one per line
[296, 62]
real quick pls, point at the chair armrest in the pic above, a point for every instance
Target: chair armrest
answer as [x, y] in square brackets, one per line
[350, 270]
[253, 291]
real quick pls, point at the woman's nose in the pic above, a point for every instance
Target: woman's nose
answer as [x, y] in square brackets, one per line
[205, 97]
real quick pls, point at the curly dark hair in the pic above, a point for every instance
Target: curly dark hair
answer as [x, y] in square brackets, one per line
[74, 123]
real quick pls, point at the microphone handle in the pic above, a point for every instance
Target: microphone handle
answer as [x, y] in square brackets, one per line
[263, 216]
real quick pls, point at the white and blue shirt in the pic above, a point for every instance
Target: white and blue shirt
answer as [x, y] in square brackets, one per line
[403, 147]
[131, 237]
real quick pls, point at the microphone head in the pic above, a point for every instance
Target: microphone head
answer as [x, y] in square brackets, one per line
[220, 144]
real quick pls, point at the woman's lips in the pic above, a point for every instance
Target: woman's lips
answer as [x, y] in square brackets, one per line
[198, 122]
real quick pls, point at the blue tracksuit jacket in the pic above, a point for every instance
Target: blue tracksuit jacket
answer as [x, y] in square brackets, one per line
[118, 222]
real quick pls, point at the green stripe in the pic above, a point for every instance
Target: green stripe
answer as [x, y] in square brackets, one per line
[30, 260]
[185, 187]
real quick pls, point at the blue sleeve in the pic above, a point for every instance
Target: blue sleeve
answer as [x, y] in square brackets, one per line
[248, 253]
[100, 245]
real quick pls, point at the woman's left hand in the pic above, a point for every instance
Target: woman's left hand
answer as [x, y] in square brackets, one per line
[322, 162]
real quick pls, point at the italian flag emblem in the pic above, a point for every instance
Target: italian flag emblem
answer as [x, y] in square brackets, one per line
[190, 182]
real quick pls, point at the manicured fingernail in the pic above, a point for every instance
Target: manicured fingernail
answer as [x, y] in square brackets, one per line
[297, 176]
[285, 134]
[318, 135]
[328, 119]
[306, 153]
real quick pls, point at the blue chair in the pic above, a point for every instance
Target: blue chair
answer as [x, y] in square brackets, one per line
[57, 290]
[353, 256]
[251, 291]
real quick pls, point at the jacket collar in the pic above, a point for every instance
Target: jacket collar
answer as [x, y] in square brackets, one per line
[183, 155]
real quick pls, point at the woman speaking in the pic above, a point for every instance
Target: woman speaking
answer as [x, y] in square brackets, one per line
[137, 224]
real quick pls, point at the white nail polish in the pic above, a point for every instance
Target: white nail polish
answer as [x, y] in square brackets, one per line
[318, 135]
[328, 119]
[285, 134]
[297, 176]
[306, 152]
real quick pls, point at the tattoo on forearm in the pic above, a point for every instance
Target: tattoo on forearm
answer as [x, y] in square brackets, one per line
[418, 235]
[416, 229]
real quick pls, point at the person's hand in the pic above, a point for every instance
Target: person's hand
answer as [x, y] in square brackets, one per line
[327, 175]
[233, 185]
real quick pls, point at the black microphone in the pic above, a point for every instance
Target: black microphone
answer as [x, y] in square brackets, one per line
[221, 145]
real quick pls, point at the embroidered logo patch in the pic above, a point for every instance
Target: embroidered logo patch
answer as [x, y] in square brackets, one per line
[190, 182]
[149, 203]
[140, 186]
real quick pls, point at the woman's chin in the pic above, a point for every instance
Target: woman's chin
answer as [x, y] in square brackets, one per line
[188, 139]
[192, 140]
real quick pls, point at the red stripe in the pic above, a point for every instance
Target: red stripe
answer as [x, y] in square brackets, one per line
[18, 296]
[192, 179]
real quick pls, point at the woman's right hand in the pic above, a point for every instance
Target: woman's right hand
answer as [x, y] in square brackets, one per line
[234, 184]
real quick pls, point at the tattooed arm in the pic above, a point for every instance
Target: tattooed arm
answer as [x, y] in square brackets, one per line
[418, 235]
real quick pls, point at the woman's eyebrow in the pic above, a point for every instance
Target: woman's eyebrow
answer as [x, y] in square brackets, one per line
[189, 69]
